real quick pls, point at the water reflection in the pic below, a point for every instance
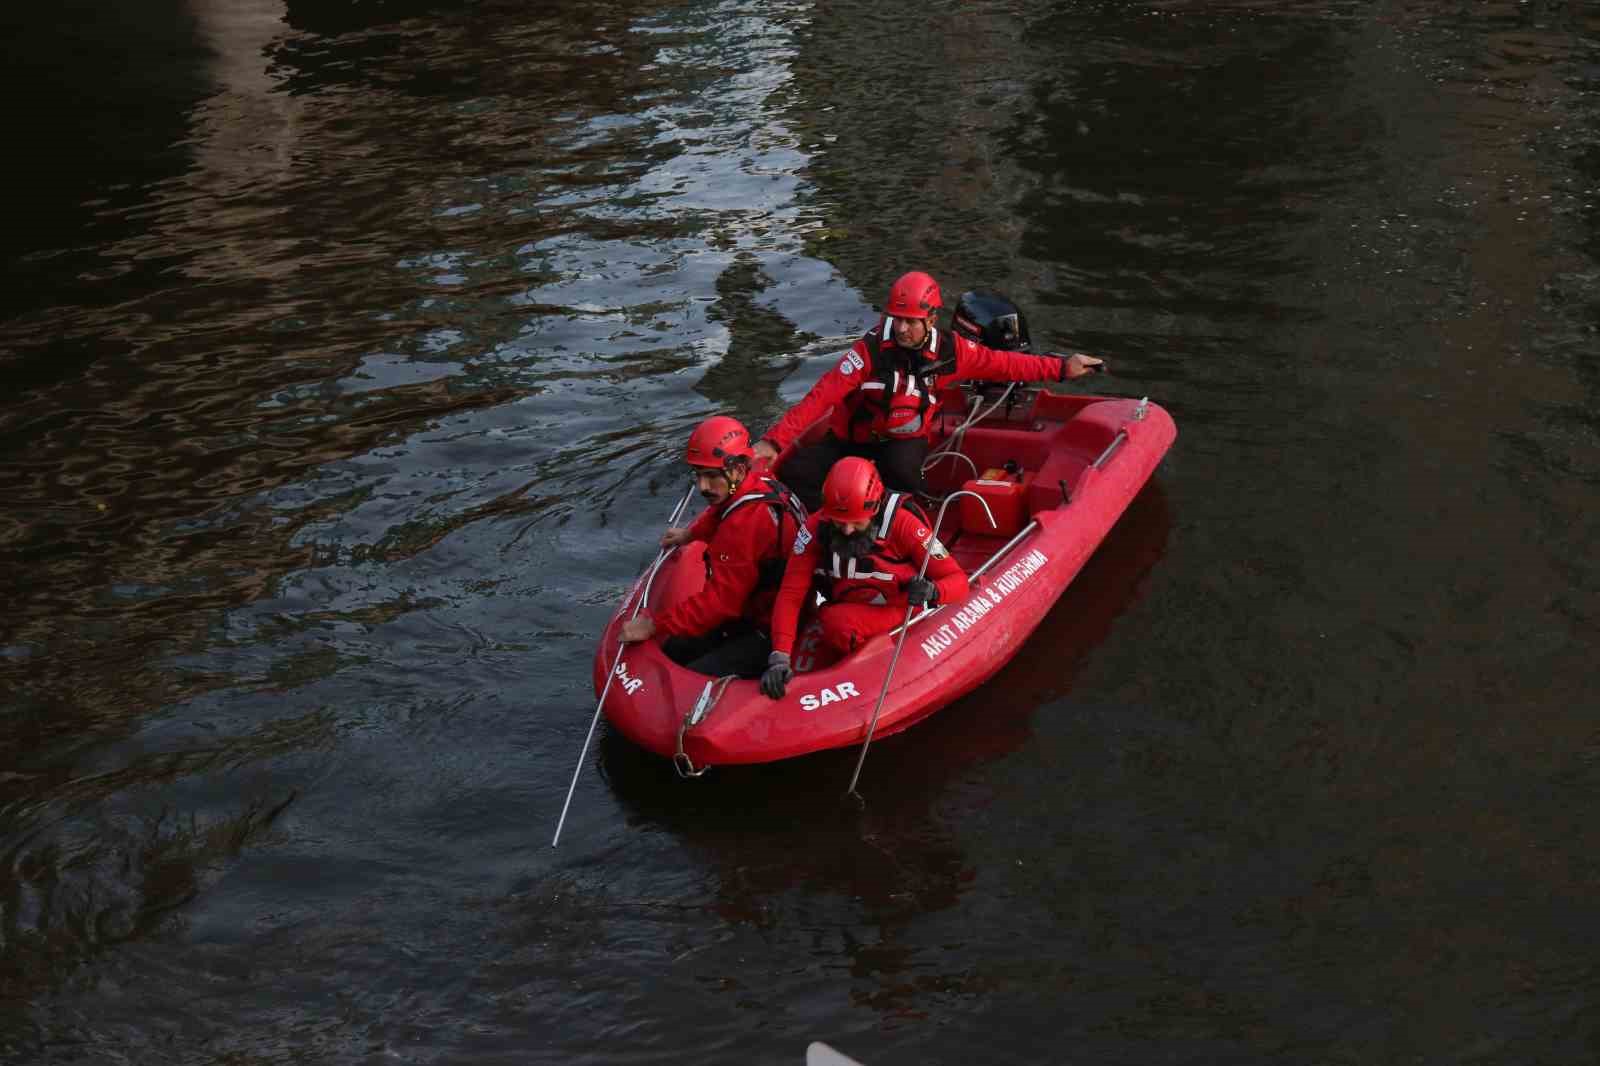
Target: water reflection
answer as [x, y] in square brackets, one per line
[109, 94]
[418, 309]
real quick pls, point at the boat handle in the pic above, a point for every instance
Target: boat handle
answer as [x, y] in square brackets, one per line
[1111, 449]
[1032, 525]
[999, 554]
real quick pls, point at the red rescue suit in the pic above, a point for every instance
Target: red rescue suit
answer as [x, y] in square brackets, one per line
[748, 538]
[881, 391]
[865, 596]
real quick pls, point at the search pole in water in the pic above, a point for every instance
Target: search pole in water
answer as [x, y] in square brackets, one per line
[905, 627]
[677, 512]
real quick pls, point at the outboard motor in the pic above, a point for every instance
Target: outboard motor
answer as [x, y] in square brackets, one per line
[992, 320]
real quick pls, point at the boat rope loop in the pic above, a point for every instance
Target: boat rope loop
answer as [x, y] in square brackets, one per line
[702, 707]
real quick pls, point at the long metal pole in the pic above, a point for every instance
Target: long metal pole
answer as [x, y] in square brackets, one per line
[677, 512]
[905, 627]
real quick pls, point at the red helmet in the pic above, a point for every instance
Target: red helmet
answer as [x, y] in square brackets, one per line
[915, 295]
[852, 490]
[717, 440]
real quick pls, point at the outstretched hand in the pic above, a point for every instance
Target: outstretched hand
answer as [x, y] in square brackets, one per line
[765, 449]
[1080, 365]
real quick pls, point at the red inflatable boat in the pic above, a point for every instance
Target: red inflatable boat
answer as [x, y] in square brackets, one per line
[1056, 471]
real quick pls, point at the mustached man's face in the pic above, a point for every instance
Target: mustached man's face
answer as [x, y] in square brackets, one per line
[713, 485]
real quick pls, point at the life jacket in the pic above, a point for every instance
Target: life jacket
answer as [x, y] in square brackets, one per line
[876, 577]
[788, 514]
[896, 401]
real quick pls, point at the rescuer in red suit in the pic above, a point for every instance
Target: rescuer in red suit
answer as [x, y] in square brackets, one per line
[749, 522]
[881, 398]
[862, 551]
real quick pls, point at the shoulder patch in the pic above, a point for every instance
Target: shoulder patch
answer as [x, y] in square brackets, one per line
[801, 539]
[937, 549]
[851, 362]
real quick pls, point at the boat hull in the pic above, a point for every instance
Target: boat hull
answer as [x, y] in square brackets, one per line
[1082, 461]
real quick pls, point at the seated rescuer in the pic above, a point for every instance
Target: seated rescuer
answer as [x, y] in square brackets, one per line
[862, 552]
[749, 522]
[883, 392]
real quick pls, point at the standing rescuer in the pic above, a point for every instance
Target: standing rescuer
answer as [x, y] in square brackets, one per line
[862, 551]
[749, 522]
[883, 392]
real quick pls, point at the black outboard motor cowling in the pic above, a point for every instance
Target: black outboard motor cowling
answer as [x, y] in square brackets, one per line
[992, 320]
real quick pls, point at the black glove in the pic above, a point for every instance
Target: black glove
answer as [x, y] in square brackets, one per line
[776, 679]
[920, 592]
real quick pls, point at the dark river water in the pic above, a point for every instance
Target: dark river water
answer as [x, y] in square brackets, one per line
[347, 350]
